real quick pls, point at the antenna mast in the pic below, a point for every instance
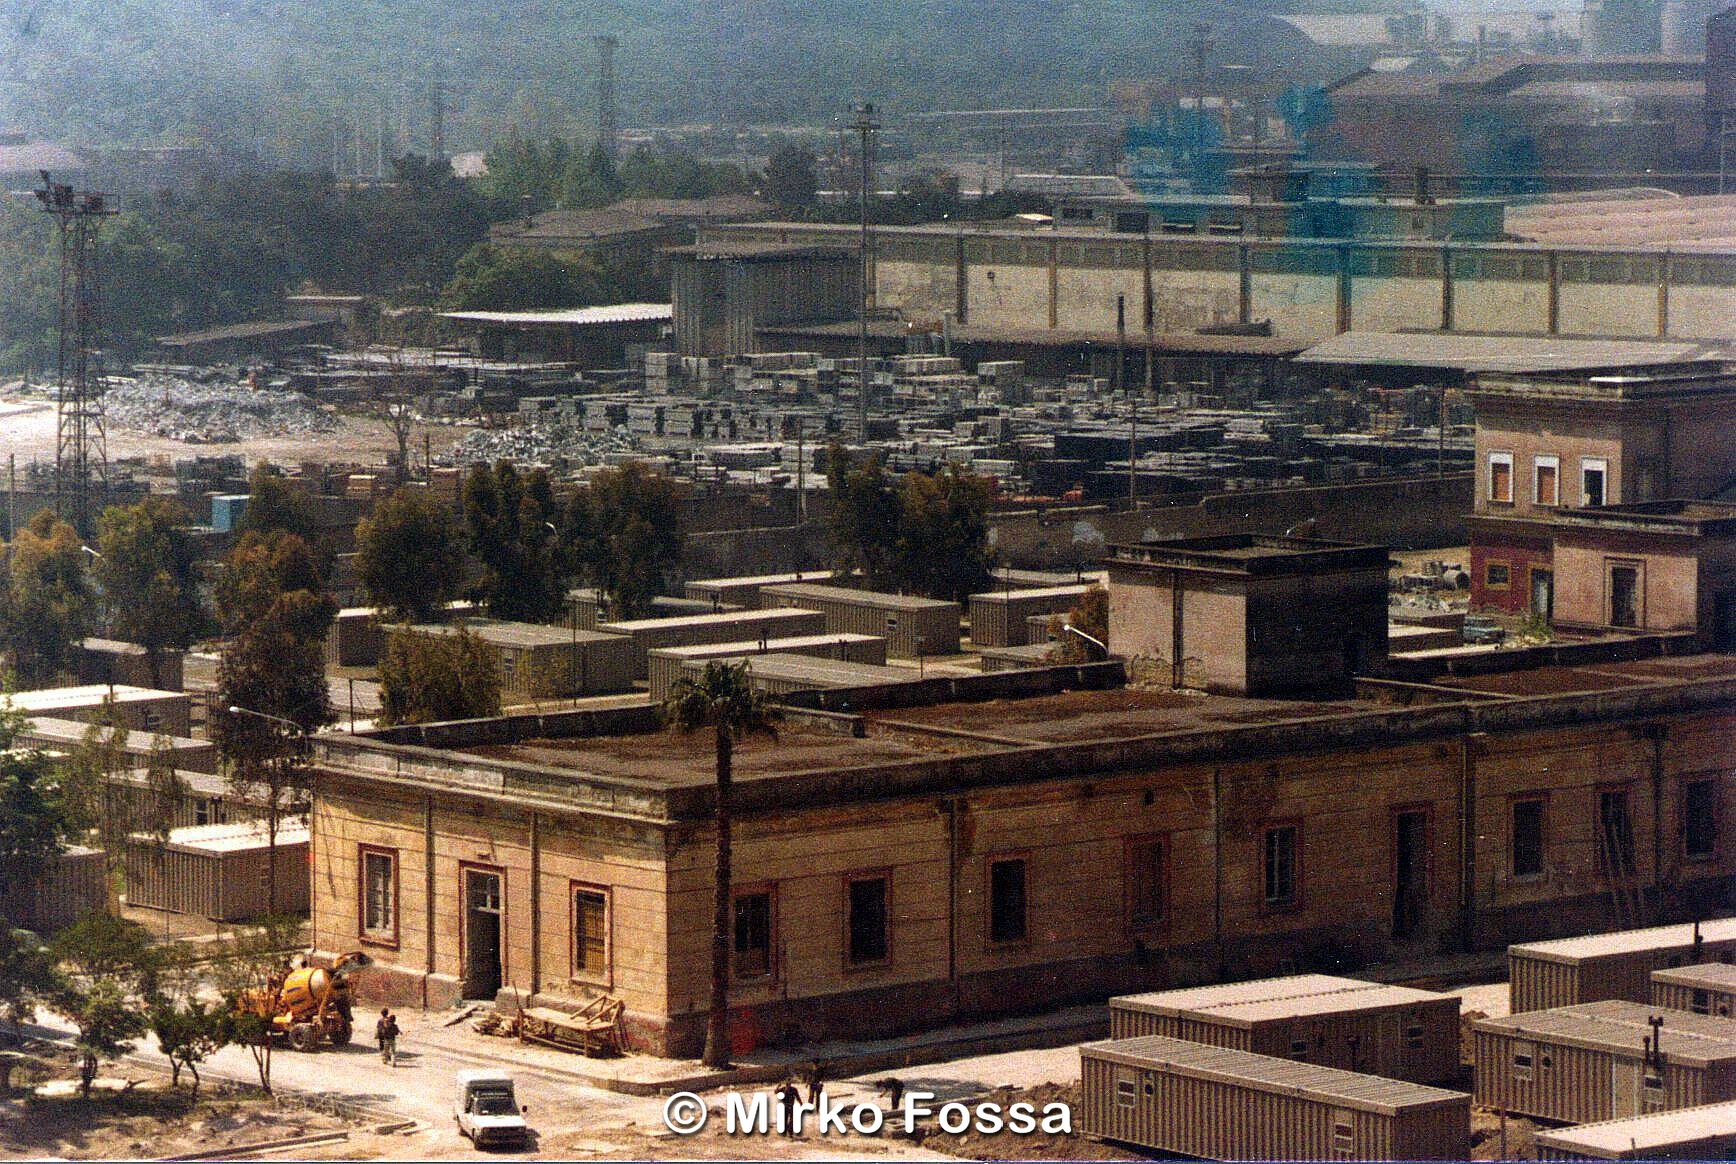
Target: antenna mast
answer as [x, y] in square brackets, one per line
[81, 447]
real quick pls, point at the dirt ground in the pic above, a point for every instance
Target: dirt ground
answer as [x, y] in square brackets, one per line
[1486, 1137]
[27, 429]
[146, 1119]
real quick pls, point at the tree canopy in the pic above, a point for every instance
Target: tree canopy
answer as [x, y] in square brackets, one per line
[426, 678]
[149, 577]
[47, 605]
[923, 532]
[510, 522]
[409, 556]
[624, 534]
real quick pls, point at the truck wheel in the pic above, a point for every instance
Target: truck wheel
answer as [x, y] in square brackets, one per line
[303, 1037]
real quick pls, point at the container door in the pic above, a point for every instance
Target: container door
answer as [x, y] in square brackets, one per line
[1624, 1089]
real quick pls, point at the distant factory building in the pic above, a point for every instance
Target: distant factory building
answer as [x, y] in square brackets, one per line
[593, 337]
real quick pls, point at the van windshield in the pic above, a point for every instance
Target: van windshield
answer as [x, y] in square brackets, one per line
[494, 1103]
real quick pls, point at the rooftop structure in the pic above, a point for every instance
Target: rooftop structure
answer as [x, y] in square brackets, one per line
[1707, 1132]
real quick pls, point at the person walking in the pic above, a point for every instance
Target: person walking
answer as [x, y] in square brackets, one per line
[788, 1096]
[386, 1034]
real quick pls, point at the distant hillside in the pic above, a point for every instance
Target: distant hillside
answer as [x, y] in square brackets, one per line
[282, 74]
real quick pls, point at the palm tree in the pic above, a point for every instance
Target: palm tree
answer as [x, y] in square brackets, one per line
[722, 698]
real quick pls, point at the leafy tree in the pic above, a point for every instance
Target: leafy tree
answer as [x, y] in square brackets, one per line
[625, 534]
[790, 178]
[103, 964]
[926, 533]
[47, 607]
[510, 522]
[34, 823]
[87, 797]
[271, 683]
[1090, 615]
[942, 542]
[274, 503]
[491, 278]
[26, 978]
[863, 522]
[188, 1029]
[724, 699]
[426, 678]
[247, 974]
[409, 559]
[148, 572]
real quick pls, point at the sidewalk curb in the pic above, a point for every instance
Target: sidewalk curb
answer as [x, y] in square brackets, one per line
[837, 1067]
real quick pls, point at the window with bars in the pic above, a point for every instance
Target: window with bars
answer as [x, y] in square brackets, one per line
[869, 919]
[1700, 819]
[1147, 882]
[590, 933]
[1007, 922]
[1527, 847]
[753, 935]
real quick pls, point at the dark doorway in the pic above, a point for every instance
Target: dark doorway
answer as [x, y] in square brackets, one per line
[1624, 585]
[1724, 622]
[481, 934]
[1543, 594]
[1410, 885]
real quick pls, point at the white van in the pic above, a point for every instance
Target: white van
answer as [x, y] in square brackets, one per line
[487, 1110]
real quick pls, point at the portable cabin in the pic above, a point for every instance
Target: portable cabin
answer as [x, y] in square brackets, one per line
[745, 592]
[1598, 1061]
[535, 661]
[1706, 988]
[220, 871]
[1544, 975]
[1690, 1133]
[648, 634]
[777, 674]
[74, 884]
[141, 709]
[912, 626]
[1217, 1103]
[587, 607]
[1394, 1031]
[999, 618]
[665, 664]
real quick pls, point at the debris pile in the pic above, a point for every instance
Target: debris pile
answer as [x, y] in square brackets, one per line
[210, 413]
[538, 442]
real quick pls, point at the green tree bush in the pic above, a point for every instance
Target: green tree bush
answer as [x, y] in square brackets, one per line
[426, 678]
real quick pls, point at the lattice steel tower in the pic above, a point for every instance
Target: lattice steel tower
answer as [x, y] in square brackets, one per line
[81, 450]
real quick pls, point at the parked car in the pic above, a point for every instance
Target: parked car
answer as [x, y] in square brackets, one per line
[1480, 628]
[487, 1109]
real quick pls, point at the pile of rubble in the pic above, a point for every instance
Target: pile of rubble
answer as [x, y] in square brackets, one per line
[539, 442]
[210, 413]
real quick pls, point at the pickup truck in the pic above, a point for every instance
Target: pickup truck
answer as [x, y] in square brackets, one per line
[1480, 628]
[487, 1110]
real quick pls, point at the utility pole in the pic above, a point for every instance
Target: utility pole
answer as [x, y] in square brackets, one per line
[81, 445]
[866, 125]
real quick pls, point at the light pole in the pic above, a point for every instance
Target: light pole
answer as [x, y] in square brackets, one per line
[866, 125]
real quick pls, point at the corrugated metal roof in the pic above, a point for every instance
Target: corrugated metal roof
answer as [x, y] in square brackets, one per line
[745, 617]
[1490, 353]
[1619, 1025]
[238, 837]
[1676, 937]
[870, 598]
[1365, 1092]
[1637, 1135]
[794, 644]
[820, 672]
[1375, 997]
[1718, 975]
[1226, 993]
[762, 579]
[571, 316]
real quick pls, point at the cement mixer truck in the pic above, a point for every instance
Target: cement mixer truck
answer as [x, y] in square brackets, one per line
[309, 1006]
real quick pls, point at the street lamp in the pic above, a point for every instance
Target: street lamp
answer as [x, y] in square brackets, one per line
[235, 709]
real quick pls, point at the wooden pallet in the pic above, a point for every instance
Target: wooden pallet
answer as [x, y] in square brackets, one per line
[595, 1030]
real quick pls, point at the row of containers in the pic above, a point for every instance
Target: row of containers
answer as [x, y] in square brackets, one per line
[1627, 1037]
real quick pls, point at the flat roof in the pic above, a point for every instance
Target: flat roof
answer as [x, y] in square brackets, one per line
[1636, 1136]
[821, 672]
[1182, 343]
[258, 329]
[794, 644]
[1226, 993]
[1252, 554]
[1619, 1025]
[722, 618]
[509, 634]
[1374, 996]
[1242, 1068]
[1674, 937]
[237, 837]
[47, 729]
[757, 580]
[570, 316]
[1716, 975]
[1501, 353]
[845, 594]
[1071, 590]
[86, 695]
